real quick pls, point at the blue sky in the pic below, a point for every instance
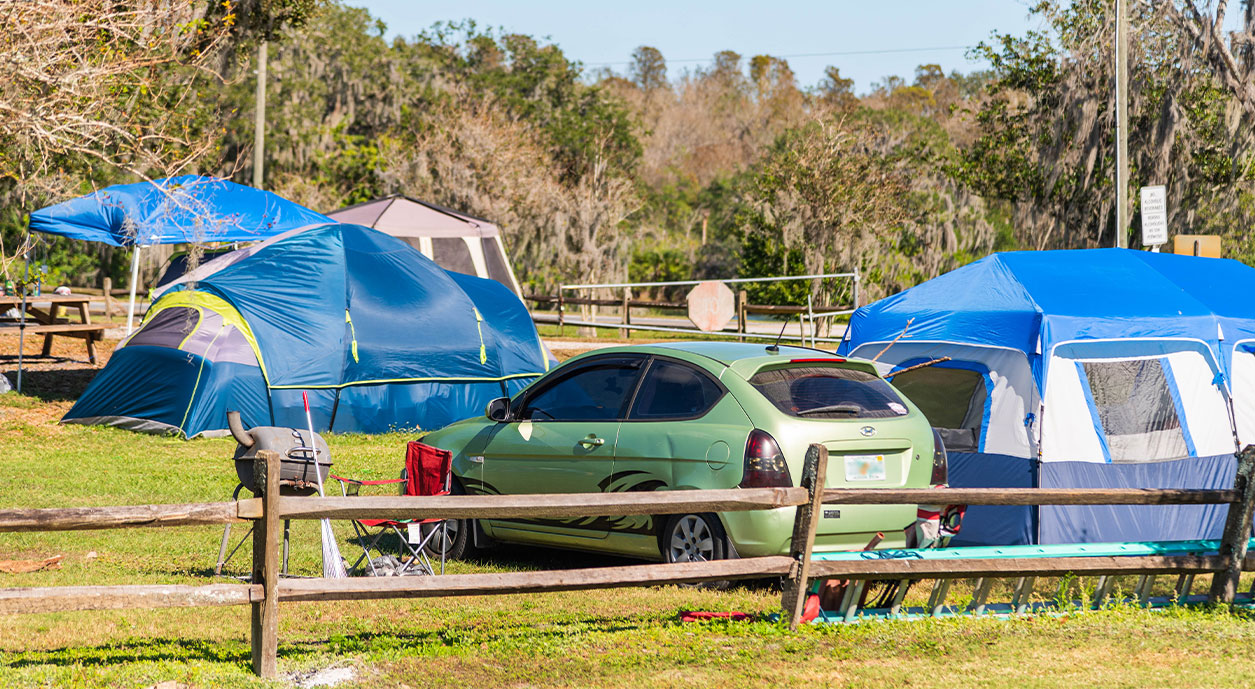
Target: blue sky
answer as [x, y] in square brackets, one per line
[600, 33]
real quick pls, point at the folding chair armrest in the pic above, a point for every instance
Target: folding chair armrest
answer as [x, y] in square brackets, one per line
[359, 482]
[352, 487]
[382, 482]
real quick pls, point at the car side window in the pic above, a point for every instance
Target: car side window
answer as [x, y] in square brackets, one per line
[674, 391]
[595, 393]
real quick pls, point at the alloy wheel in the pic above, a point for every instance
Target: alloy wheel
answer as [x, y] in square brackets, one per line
[692, 540]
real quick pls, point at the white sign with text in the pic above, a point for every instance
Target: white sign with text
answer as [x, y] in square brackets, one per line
[1154, 216]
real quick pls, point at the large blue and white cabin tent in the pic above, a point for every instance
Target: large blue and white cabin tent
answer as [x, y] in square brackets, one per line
[1091, 368]
[378, 335]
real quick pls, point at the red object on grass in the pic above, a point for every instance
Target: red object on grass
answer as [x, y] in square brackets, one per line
[811, 610]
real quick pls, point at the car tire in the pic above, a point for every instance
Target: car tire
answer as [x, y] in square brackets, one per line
[457, 542]
[695, 538]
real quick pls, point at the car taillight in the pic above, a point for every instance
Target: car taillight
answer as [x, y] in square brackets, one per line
[764, 463]
[941, 462]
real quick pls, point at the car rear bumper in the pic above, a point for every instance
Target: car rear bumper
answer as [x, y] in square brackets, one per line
[769, 532]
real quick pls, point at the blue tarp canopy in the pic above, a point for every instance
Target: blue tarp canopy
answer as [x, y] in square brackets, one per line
[1032, 300]
[174, 210]
[379, 335]
[1088, 368]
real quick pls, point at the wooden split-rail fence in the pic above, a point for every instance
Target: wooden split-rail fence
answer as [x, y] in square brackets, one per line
[269, 510]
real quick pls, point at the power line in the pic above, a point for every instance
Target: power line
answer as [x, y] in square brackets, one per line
[884, 51]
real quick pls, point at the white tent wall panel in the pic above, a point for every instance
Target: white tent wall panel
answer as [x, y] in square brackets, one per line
[1244, 395]
[1068, 432]
[1206, 409]
[1014, 397]
[476, 246]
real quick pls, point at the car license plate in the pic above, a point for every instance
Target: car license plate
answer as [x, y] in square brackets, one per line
[864, 467]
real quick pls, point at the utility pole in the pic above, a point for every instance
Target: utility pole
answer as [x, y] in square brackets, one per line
[1122, 124]
[259, 118]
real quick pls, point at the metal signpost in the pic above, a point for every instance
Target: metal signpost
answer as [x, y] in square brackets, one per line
[1154, 217]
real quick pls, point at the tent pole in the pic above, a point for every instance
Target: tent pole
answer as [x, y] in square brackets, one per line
[130, 309]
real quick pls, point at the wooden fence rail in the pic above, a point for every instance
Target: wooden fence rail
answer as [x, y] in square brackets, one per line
[130, 516]
[270, 509]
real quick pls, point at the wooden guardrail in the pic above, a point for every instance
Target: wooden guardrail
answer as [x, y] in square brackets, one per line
[269, 511]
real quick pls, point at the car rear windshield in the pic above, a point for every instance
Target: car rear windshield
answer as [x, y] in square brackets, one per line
[826, 392]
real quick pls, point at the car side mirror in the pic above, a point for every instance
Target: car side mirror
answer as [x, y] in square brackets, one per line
[498, 410]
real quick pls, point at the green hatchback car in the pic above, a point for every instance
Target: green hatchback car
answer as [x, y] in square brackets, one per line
[694, 415]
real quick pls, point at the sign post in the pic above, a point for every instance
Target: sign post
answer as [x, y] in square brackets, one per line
[1154, 216]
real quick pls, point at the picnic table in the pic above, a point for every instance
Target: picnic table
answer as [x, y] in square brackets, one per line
[43, 318]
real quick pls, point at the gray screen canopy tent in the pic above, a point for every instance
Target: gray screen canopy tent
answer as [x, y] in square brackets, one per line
[455, 241]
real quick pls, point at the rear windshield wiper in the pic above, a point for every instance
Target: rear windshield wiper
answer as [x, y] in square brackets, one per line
[842, 408]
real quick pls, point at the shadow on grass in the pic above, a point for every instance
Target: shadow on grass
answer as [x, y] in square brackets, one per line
[60, 385]
[161, 650]
[499, 557]
[132, 651]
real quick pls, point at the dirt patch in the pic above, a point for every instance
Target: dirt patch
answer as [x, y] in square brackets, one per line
[61, 377]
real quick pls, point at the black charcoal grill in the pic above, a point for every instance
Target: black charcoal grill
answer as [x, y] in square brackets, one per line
[297, 458]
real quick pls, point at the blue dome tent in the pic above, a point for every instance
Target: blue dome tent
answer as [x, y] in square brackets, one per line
[379, 336]
[1104, 368]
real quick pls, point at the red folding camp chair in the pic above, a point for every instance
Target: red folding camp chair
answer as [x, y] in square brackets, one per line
[426, 473]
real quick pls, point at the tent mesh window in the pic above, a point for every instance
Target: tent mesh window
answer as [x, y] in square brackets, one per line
[494, 260]
[822, 392]
[169, 328]
[452, 253]
[953, 400]
[1136, 410]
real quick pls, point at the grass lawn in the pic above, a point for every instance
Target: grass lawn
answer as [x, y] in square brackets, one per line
[616, 638]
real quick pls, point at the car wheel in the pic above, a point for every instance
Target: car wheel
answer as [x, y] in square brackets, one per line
[695, 538]
[455, 539]
[452, 539]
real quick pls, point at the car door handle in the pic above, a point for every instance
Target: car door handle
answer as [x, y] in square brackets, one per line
[592, 441]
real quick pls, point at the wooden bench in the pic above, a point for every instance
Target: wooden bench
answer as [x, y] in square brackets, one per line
[46, 321]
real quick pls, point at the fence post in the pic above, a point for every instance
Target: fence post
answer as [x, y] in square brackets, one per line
[265, 613]
[741, 296]
[1237, 530]
[108, 292]
[627, 315]
[814, 476]
[561, 320]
